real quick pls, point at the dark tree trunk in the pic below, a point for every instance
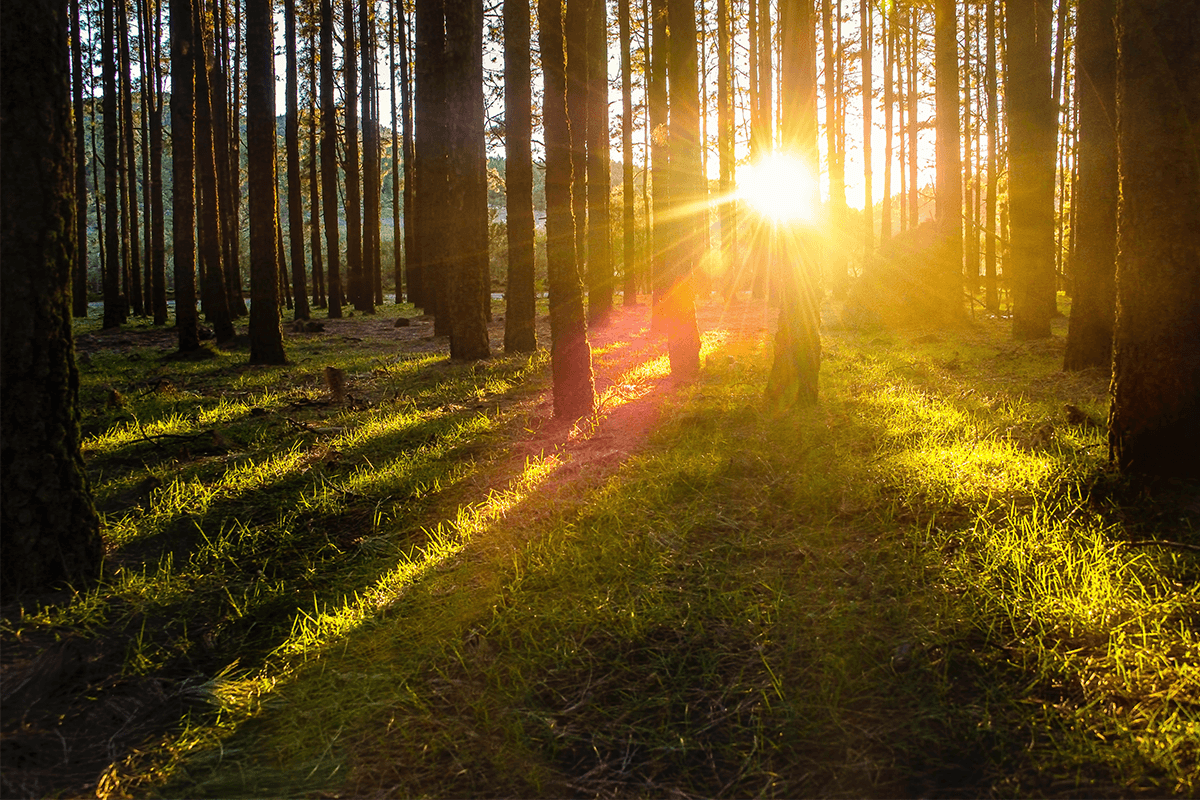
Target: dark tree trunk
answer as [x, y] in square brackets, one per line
[991, 295]
[660, 234]
[329, 172]
[216, 301]
[292, 132]
[466, 252]
[370, 160]
[314, 176]
[576, 28]
[948, 202]
[410, 161]
[1031, 153]
[79, 299]
[129, 194]
[599, 185]
[887, 23]
[868, 54]
[520, 328]
[914, 204]
[1154, 423]
[355, 274]
[1093, 267]
[797, 361]
[183, 204]
[228, 172]
[266, 340]
[970, 231]
[837, 266]
[49, 530]
[115, 302]
[429, 203]
[628, 223]
[397, 237]
[570, 353]
[678, 307]
[725, 147]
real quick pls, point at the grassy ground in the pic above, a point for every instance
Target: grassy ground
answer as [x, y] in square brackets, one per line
[929, 585]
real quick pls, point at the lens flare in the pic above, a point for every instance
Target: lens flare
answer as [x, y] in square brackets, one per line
[779, 187]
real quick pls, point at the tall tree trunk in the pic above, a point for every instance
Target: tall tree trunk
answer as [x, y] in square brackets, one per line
[868, 55]
[725, 147]
[1154, 423]
[158, 257]
[129, 170]
[466, 252]
[520, 329]
[570, 353]
[686, 193]
[397, 237]
[292, 132]
[797, 360]
[216, 301]
[266, 340]
[183, 204]
[358, 282]
[329, 171]
[319, 299]
[948, 201]
[146, 92]
[628, 199]
[429, 120]
[372, 289]
[599, 182]
[837, 266]
[576, 28]
[79, 298]
[991, 295]
[888, 32]
[656, 98]
[970, 232]
[1089, 337]
[410, 161]
[49, 529]
[914, 148]
[115, 303]
[228, 174]
[1031, 153]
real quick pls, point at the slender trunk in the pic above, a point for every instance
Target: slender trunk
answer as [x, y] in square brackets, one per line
[888, 31]
[948, 201]
[868, 54]
[576, 29]
[216, 301]
[914, 149]
[79, 298]
[115, 306]
[292, 134]
[129, 196]
[314, 188]
[628, 219]
[397, 238]
[329, 173]
[570, 353]
[599, 248]
[970, 232]
[520, 330]
[183, 218]
[356, 275]
[147, 103]
[837, 173]
[266, 340]
[725, 150]
[370, 159]
[410, 161]
[991, 297]
[228, 171]
[158, 272]
[429, 120]
[657, 101]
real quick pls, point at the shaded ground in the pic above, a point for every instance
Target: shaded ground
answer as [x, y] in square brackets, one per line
[71, 709]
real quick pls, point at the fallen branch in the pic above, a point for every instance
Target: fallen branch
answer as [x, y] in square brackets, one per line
[1191, 548]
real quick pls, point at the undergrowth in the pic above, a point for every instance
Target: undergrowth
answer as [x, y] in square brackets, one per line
[928, 585]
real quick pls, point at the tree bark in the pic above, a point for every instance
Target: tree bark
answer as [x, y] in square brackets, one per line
[183, 160]
[129, 198]
[357, 281]
[570, 353]
[1154, 422]
[1089, 337]
[266, 340]
[116, 305]
[292, 134]
[599, 181]
[329, 170]
[319, 297]
[576, 28]
[49, 529]
[686, 193]
[372, 283]
[79, 298]
[656, 98]
[430, 201]
[991, 295]
[628, 199]
[868, 54]
[797, 359]
[466, 252]
[520, 329]
[948, 197]
[1031, 153]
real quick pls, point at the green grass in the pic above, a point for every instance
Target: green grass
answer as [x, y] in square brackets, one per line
[930, 584]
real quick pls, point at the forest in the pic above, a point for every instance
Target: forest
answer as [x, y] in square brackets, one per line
[599, 398]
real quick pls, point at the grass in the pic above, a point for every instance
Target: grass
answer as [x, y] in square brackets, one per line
[930, 584]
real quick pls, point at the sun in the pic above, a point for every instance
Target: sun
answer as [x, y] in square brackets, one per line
[779, 187]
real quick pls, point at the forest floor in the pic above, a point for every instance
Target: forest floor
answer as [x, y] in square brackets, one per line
[928, 585]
